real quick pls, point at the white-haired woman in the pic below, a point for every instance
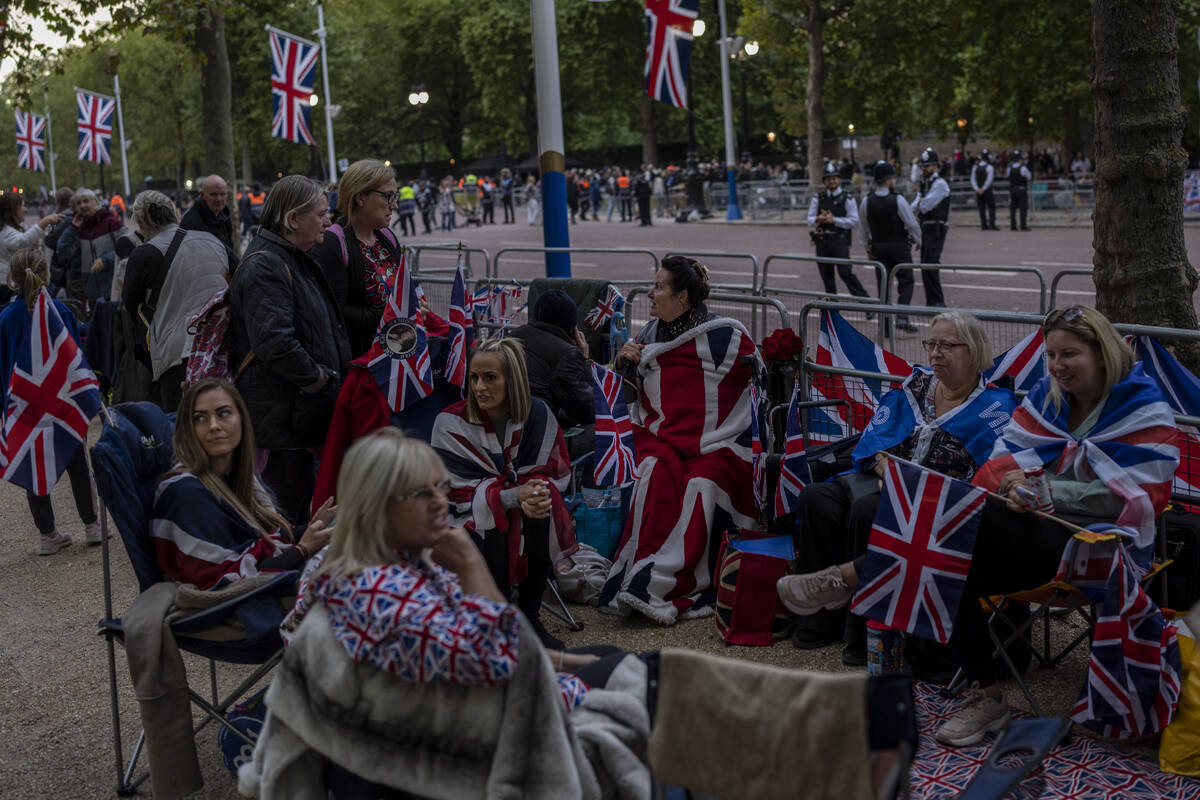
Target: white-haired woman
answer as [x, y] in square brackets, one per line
[167, 281]
[945, 417]
[289, 348]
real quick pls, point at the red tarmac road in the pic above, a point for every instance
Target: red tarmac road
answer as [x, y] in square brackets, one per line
[1049, 249]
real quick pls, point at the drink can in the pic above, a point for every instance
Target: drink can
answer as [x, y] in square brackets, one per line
[1035, 479]
[885, 649]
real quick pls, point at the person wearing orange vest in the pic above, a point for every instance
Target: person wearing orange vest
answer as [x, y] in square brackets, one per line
[585, 197]
[256, 204]
[625, 196]
[117, 204]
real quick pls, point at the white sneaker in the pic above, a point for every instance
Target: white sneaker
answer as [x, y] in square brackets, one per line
[92, 533]
[979, 715]
[808, 594]
[49, 545]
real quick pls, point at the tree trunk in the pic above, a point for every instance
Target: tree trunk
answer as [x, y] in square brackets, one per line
[215, 96]
[649, 131]
[816, 83]
[1142, 273]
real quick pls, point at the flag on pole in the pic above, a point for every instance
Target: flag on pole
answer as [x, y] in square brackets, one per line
[31, 141]
[758, 473]
[615, 462]
[669, 48]
[1182, 390]
[462, 329]
[1024, 362]
[399, 356]
[611, 303]
[94, 120]
[794, 474]
[51, 397]
[293, 70]
[919, 551]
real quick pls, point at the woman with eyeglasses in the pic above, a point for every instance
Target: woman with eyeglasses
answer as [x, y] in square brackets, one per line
[359, 253]
[945, 417]
[508, 467]
[213, 521]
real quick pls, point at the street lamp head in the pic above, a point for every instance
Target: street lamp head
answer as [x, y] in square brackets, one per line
[387, 163]
[313, 100]
[770, 136]
[850, 127]
[751, 48]
[412, 99]
[423, 97]
[698, 28]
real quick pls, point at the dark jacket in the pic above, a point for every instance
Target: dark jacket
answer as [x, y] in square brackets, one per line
[349, 286]
[284, 310]
[201, 218]
[60, 264]
[558, 373]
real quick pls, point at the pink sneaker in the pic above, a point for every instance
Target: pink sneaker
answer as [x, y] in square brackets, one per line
[49, 545]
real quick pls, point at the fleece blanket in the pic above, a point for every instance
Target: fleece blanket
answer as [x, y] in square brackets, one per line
[481, 467]
[693, 443]
[443, 740]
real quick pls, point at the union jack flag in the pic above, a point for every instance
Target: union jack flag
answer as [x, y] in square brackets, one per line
[94, 120]
[505, 304]
[293, 68]
[399, 356]
[1024, 362]
[31, 141]
[52, 395]
[1133, 680]
[758, 473]
[794, 474]
[1182, 390]
[919, 551]
[615, 461]
[841, 345]
[462, 329]
[669, 48]
[606, 307]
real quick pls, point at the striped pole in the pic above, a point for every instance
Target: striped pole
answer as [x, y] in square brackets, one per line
[550, 137]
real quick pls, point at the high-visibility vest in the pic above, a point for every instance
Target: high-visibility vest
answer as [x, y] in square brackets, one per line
[256, 203]
[583, 184]
[407, 193]
[116, 201]
[623, 182]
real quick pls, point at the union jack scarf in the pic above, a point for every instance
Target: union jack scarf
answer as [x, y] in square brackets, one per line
[1133, 447]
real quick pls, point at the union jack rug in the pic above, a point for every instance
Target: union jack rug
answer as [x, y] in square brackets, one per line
[1082, 768]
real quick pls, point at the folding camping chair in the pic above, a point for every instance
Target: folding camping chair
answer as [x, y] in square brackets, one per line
[133, 451]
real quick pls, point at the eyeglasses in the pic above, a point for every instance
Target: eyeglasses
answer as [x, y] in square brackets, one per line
[940, 347]
[424, 495]
[389, 196]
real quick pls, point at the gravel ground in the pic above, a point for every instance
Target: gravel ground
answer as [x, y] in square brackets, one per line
[55, 718]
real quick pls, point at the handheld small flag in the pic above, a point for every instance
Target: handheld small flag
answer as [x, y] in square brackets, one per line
[759, 477]
[616, 464]
[794, 474]
[399, 356]
[606, 307]
[462, 329]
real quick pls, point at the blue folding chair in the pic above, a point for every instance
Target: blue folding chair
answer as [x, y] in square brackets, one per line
[133, 451]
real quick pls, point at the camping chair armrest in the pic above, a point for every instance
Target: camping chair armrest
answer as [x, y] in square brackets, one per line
[214, 615]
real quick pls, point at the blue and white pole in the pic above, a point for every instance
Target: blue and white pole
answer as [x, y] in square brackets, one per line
[735, 210]
[550, 137]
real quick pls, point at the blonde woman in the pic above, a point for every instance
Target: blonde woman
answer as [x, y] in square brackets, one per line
[213, 522]
[359, 253]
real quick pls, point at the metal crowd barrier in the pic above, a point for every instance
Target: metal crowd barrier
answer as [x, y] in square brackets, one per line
[753, 259]
[1041, 279]
[1066, 273]
[495, 262]
[451, 249]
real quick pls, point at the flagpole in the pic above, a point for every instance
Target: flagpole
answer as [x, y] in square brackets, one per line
[551, 161]
[121, 130]
[49, 139]
[333, 171]
[735, 210]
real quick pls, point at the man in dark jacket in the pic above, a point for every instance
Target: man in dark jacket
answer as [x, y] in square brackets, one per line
[557, 360]
[59, 266]
[209, 213]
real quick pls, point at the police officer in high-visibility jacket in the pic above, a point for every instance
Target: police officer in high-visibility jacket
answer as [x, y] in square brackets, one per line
[933, 212]
[982, 178]
[833, 216]
[887, 229]
[1018, 191]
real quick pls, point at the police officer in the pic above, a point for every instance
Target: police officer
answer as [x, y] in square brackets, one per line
[832, 215]
[886, 226]
[982, 178]
[1018, 191]
[933, 212]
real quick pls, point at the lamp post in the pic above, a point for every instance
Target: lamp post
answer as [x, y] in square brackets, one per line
[746, 50]
[850, 128]
[417, 98]
[693, 182]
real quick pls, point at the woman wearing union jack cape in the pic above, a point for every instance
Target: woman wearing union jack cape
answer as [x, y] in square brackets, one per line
[693, 443]
[945, 417]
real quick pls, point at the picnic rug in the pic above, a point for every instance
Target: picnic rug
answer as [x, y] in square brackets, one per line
[1082, 768]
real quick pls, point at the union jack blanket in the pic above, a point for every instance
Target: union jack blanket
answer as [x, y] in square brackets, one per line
[692, 439]
[1133, 447]
[481, 467]
[199, 539]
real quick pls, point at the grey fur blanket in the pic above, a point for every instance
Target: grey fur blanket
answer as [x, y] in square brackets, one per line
[442, 740]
